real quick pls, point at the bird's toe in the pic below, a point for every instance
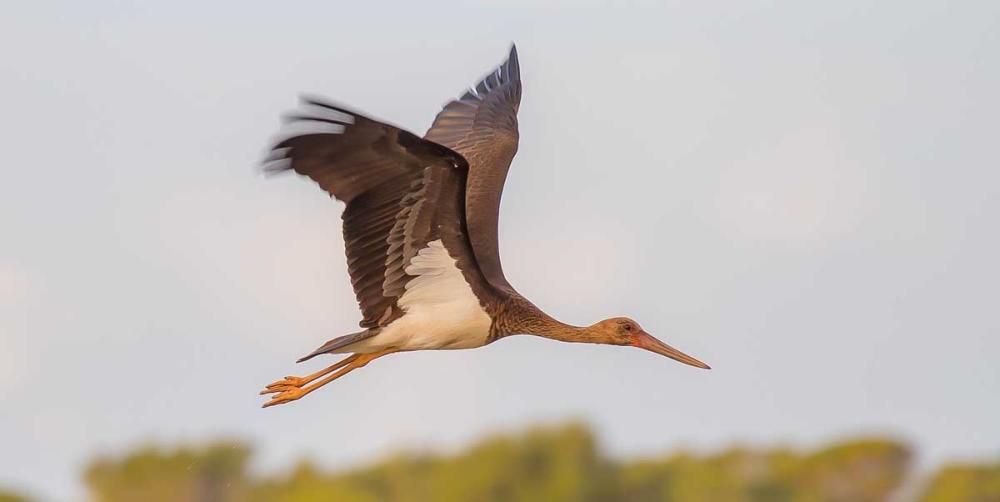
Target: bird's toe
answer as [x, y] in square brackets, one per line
[286, 396]
[288, 381]
[277, 388]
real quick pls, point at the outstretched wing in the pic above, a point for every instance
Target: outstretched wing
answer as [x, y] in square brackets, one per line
[482, 126]
[401, 193]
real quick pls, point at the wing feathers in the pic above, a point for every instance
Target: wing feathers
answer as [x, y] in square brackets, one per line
[482, 126]
[382, 173]
[403, 192]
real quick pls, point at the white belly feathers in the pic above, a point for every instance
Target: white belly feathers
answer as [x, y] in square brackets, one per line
[441, 310]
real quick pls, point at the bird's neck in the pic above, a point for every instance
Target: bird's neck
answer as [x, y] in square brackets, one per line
[520, 316]
[548, 327]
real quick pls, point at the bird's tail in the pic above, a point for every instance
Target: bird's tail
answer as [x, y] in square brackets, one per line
[340, 342]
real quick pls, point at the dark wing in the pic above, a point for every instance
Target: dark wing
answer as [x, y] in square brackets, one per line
[482, 126]
[396, 186]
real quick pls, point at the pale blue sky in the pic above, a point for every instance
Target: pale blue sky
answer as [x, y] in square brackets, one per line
[803, 194]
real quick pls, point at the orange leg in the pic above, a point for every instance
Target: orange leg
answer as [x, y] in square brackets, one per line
[294, 381]
[287, 394]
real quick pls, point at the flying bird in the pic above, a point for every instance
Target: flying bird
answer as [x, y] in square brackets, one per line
[420, 230]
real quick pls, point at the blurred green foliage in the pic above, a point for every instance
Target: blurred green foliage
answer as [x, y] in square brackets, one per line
[216, 473]
[6, 496]
[541, 465]
[967, 483]
[858, 471]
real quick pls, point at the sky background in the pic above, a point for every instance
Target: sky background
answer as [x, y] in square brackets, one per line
[804, 195]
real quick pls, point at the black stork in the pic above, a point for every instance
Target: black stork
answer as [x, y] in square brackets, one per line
[420, 229]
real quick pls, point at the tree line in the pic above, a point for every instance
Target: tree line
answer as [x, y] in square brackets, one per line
[562, 463]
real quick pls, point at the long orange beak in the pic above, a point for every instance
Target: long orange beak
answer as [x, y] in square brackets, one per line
[646, 341]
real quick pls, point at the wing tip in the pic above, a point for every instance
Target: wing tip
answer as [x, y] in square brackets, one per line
[316, 100]
[511, 67]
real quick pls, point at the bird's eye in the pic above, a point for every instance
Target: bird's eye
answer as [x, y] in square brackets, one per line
[628, 327]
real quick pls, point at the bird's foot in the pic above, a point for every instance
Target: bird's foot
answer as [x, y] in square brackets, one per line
[291, 388]
[285, 395]
[289, 382]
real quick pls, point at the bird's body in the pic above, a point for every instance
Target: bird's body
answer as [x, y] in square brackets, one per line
[441, 311]
[420, 230]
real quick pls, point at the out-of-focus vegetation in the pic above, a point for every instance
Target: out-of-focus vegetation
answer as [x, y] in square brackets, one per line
[550, 464]
[216, 473]
[979, 483]
[866, 470]
[6, 496]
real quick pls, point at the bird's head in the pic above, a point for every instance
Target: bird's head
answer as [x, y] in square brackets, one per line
[625, 331]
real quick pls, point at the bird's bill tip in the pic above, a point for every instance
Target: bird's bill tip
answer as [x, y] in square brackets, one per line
[649, 342]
